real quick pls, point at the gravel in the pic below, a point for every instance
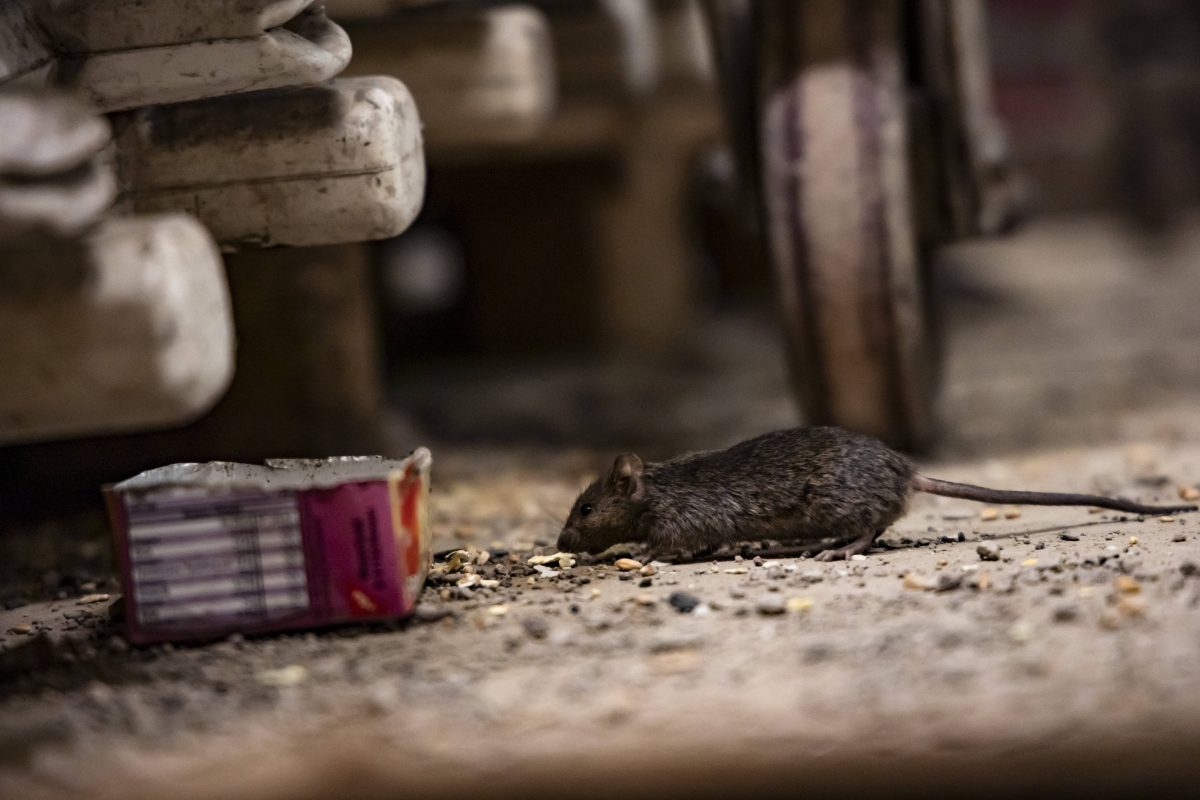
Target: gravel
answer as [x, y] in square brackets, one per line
[683, 602]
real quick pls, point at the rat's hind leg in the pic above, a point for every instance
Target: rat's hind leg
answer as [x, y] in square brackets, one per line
[855, 547]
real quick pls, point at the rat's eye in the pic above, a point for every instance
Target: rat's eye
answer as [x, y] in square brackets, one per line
[585, 509]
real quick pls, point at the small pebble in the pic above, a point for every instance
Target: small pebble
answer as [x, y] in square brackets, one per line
[92, 598]
[1189, 568]
[771, 606]
[648, 570]
[428, 613]
[683, 602]
[1021, 631]
[989, 514]
[23, 627]
[1068, 537]
[627, 564]
[948, 582]
[646, 600]
[1012, 513]
[988, 552]
[1179, 537]
[1067, 613]
[537, 627]
[1189, 493]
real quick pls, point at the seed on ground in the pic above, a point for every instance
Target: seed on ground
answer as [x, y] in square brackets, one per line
[1126, 584]
[1131, 606]
[291, 675]
[914, 581]
[799, 603]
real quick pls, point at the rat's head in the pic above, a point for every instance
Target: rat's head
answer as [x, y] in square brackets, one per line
[605, 512]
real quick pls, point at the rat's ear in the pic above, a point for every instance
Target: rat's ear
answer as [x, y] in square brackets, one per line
[626, 476]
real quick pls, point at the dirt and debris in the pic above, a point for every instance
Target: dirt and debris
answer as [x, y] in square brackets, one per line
[509, 665]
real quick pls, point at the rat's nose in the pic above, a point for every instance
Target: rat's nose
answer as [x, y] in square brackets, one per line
[568, 541]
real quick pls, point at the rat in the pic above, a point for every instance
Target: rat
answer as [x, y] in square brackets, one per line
[795, 485]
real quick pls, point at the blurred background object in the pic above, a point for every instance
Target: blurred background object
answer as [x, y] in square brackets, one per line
[118, 318]
[106, 324]
[592, 248]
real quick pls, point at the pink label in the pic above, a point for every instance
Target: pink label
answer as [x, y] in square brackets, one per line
[352, 551]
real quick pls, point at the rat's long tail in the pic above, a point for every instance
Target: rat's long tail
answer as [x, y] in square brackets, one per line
[984, 495]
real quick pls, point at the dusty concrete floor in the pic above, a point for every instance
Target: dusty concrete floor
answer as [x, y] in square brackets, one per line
[1072, 662]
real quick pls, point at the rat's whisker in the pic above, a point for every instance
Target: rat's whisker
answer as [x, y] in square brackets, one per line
[556, 518]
